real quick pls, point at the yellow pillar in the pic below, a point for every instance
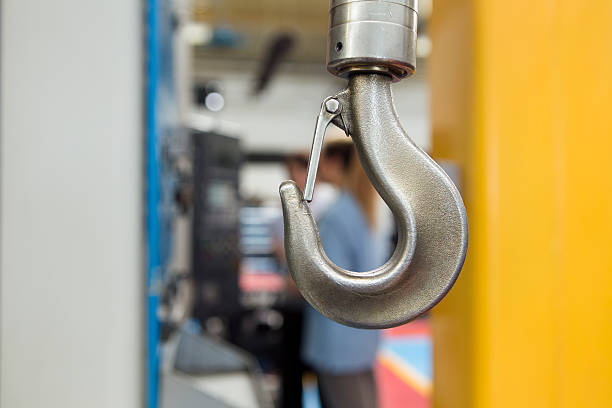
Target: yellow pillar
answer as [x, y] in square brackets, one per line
[522, 102]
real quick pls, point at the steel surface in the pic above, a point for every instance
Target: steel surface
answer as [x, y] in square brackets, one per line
[428, 210]
[368, 36]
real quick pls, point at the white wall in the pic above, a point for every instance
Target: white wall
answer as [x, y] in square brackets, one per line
[283, 117]
[70, 204]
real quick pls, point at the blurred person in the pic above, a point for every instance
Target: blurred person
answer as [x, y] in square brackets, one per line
[297, 168]
[343, 357]
[292, 310]
[326, 193]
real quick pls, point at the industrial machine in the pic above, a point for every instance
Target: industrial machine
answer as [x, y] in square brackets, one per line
[215, 228]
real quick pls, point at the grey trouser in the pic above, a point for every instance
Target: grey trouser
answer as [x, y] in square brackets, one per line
[354, 390]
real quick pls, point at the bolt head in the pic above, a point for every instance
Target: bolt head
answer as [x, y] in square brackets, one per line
[332, 105]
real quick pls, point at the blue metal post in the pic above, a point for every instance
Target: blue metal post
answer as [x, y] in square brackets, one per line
[152, 205]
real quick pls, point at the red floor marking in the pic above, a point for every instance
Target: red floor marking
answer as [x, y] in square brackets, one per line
[416, 328]
[395, 393]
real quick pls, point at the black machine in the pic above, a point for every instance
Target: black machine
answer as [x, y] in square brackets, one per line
[229, 239]
[215, 239]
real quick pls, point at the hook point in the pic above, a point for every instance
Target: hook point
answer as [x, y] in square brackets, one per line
[289, 191]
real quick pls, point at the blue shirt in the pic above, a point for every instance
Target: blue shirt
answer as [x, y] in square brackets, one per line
[329, 346]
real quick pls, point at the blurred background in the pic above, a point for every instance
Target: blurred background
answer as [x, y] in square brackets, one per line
[142, 144]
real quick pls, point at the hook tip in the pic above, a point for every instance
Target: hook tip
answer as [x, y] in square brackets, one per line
[290, 192]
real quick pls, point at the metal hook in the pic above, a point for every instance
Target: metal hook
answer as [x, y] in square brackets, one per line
[428, 210]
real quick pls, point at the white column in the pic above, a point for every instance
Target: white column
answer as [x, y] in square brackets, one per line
[71, 218]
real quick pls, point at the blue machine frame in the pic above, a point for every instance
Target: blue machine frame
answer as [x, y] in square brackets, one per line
[161, 123]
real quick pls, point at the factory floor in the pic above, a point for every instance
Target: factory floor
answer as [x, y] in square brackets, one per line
[403, 370]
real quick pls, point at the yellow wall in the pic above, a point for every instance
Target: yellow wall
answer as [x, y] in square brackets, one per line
[522, 100]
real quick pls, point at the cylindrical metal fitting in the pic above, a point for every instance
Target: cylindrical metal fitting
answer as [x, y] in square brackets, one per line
[372, 36]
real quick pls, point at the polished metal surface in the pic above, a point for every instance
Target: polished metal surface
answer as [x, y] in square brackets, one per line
[372, 36]
[332, 105]
[330, 109]
[428, 210]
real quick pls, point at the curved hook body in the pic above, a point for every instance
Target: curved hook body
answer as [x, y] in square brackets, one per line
[428, 210]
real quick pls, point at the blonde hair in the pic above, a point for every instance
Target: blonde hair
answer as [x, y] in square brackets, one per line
[358, 183]
[355, 179]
